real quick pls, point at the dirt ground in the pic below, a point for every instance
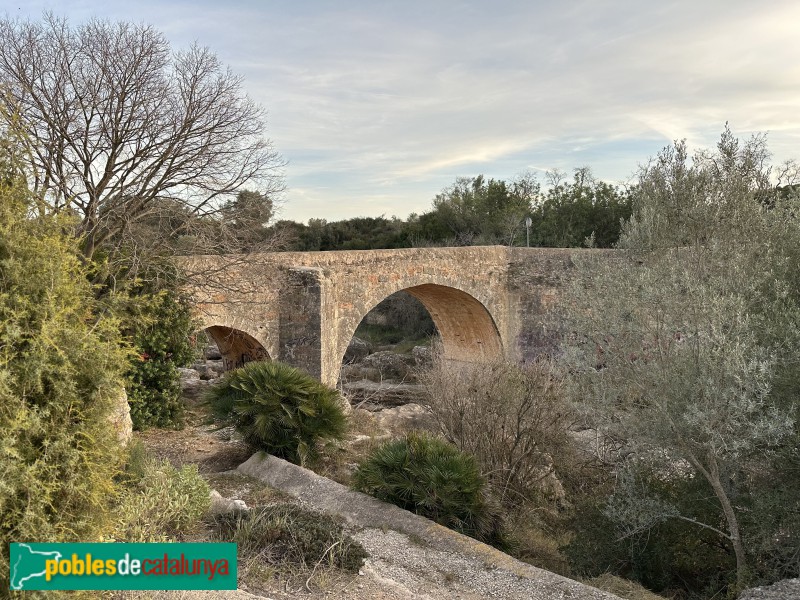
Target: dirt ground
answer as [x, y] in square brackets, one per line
[217, 453]
[398, 568]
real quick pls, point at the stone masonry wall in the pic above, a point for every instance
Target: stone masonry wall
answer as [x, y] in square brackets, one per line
[304, 307]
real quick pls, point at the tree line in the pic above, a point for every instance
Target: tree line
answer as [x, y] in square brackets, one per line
[480, 211]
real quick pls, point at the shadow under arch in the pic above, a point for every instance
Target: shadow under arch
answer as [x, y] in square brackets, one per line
[236, 347]
[467, 330]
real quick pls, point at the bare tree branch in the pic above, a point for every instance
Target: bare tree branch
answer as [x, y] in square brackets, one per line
[119, 126]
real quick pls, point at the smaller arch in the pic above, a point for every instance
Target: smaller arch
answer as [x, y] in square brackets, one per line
[236, 347]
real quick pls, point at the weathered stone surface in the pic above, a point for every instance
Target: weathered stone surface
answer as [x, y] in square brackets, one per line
[500, 574]
[788, 589]
[217, 365]
[373, 395]
[221, 505]
[206, 372]
[357, 350]
[211, 352]
[188, 375]
[192, 387]
[120, 417]
[303, 307]
[401, 419]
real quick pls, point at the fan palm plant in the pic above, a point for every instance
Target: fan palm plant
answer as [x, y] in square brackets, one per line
[279, 409]
[429, 476]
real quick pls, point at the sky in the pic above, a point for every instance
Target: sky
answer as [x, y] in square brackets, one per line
[378, 106]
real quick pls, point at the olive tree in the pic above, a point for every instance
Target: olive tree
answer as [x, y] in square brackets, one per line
[677, 343]
[121, 128]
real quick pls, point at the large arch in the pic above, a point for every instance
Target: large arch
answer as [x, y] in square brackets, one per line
[467, 329]
[236, 347]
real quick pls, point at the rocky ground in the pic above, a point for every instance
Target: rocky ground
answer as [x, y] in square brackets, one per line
[400, 566]
[383, 389]
[217, 453]
[377, 378]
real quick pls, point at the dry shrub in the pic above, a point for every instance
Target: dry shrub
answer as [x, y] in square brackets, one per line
[512, 419]
[622, 587]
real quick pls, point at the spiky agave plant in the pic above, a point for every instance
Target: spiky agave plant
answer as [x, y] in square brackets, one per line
[279, 409]
[428, 476]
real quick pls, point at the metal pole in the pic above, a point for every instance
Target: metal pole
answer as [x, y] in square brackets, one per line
[527, 232]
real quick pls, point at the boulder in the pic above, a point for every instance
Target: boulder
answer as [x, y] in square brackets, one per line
[211, 352]
[377, 396]
[217, 365]
[390, 365]
[188, 376]
[120, 417]
[357, 350]
[221, 505]
[194, 389]
[206, 372]
[401, 419]
[192, 386]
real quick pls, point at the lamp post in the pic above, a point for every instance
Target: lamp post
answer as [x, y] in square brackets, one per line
[528, 232]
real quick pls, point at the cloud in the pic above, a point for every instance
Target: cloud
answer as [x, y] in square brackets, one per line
[378, 106]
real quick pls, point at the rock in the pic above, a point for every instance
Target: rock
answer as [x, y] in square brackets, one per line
[357, 350]
[222, 505]
[217, 365]
[188, 376]
[401, 419]
[194, 389]
[788, 589]
[120, 417]
[377, 396]
[389, 365]
[211, 352]
[422, 356]
[206, 373]
[192, 386]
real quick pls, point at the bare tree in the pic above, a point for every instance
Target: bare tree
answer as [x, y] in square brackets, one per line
[120, 127]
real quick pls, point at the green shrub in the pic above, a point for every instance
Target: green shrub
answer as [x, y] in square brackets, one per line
[162, 325]
[279, 409]
[432, 478]
[159, 502]
[60, 370]
[666, 556]
[289, 534]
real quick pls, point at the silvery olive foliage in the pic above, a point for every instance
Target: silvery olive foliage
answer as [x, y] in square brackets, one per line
[681, 343]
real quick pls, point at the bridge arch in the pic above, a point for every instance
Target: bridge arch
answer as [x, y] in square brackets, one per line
[237, 347]
[467, 329]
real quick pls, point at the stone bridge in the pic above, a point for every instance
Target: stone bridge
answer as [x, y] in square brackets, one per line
[303, 307]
